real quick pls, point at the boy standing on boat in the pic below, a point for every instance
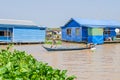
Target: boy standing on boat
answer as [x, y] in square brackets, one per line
[53, 42]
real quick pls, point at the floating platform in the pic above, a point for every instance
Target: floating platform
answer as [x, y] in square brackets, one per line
[20, 43]
[111, 42]
[64, 48]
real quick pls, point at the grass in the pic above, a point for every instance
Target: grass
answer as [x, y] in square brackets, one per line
[58, 42]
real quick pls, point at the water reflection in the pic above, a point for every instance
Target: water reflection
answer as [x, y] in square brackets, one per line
[102, 64]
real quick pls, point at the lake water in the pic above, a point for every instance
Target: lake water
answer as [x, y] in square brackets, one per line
[101, 64]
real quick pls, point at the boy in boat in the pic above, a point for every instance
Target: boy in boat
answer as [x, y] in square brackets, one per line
[90, 45]
[53, 42]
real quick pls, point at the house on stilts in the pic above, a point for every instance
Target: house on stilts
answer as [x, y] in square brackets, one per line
[91, 31]
[21, 31]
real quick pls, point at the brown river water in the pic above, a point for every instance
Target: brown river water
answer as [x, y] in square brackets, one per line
[101, 64]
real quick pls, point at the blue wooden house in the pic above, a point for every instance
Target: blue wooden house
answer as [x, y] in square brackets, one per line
[90, 31]
[21, 31]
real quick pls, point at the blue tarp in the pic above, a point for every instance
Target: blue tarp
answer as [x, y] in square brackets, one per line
[95, 39]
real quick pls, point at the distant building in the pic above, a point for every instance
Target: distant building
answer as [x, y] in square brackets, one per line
[53, 32]
[21, 31]
[90, 31]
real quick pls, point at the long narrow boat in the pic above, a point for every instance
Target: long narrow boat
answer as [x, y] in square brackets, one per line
[64, 49]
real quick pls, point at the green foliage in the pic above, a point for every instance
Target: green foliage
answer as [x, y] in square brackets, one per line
[48, 42]
[18, 65]
[58, 42]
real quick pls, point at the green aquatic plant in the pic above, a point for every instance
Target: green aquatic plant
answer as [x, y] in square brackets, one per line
[18, 65]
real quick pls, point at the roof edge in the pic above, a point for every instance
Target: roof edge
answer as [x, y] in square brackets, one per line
[17, 22]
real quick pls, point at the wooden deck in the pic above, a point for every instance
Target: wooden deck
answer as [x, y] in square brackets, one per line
[19, 43]
[117, 41]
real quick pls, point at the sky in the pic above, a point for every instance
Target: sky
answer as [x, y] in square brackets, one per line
[56, 13]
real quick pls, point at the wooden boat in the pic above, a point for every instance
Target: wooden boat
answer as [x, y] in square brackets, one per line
[64, 49]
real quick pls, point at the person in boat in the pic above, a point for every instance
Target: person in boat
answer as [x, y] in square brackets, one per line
[90, 45]
[54, 42]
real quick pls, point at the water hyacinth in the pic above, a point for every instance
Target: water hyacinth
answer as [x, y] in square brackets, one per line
[18, 65]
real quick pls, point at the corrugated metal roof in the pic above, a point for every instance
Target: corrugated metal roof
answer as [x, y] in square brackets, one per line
[16, 22]
[95, 23]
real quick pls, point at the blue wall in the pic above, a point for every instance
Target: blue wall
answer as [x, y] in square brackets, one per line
[63, 32]
[23, 33]
[95, 39]
[112, 33]
[5, 38]
[84, 34]
[28, 34]
[72, 23]
[73, 37]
